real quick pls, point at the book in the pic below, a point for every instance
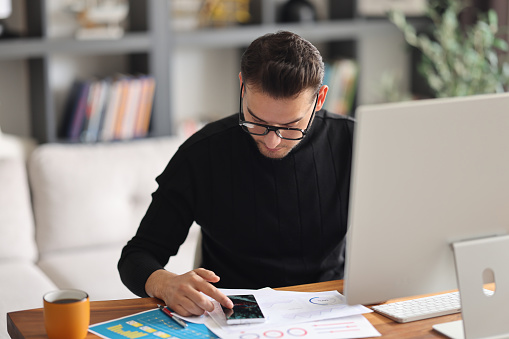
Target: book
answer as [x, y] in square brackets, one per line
[104, 106]
[97, 102]
[70, 108]
[79, 115]
[341, 77]
[119, 121]
[149, 107]
[145, 108]
[131, 108]
[107, 132]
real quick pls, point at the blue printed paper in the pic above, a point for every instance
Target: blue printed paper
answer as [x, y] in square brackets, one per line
[152, 324]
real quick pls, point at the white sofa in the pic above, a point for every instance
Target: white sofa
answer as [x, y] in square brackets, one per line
[66, 211]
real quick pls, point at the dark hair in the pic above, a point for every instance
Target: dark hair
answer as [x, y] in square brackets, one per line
[282, 65]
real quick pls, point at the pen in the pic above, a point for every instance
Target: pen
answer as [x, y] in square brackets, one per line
[168, 313]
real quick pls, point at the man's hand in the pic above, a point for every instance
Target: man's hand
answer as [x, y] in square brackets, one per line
[182, 294]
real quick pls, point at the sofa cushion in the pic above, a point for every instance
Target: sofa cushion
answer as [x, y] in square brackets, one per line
[94, 270]
[12, 146]
[16, 218]
[23, 285]
[88, 195]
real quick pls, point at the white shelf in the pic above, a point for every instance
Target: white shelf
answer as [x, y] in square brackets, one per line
[37, 47]
[241, 36]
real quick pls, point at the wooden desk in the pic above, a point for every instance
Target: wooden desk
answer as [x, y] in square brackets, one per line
[29, 324]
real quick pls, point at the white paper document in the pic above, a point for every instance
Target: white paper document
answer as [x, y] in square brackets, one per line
[284, 308]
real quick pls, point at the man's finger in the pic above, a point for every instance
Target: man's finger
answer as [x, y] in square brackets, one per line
[211, 290]
[203, 302]
[195, 306]
[190, 310]
[207, 274]
[216, 294]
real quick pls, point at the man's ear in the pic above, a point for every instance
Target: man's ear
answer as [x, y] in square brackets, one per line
[242, 88]
[322, 94]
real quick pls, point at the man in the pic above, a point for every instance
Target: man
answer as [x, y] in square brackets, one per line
[269, 187]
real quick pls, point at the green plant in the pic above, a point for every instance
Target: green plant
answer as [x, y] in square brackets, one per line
[458, 61]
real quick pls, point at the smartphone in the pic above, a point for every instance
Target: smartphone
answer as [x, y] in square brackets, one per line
[245, 310]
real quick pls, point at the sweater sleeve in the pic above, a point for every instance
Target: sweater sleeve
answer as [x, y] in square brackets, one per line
[163, 228]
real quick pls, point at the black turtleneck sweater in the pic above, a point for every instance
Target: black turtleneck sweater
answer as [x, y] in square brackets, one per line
[265, 222]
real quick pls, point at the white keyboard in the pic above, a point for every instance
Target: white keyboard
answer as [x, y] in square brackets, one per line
[422, 308]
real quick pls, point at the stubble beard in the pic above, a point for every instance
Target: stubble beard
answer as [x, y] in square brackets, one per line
[282, 152]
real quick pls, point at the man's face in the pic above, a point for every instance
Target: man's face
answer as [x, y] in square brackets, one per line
[263, 109]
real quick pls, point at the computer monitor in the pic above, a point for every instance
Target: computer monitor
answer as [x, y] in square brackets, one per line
[426, 174]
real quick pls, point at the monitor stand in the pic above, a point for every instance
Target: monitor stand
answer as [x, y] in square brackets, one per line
[483, 316]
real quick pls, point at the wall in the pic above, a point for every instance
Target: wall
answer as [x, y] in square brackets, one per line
[205, 83]
[381, 57]
[14, 83]
[14, 105]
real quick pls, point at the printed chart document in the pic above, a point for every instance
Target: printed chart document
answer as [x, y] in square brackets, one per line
[283, 309]
[152, 324]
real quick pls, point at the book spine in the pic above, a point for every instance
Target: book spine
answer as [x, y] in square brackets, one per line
[80, 113]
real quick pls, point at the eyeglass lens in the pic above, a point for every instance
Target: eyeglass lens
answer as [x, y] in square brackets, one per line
[262, 130]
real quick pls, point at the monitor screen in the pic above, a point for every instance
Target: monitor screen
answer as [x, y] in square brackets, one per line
[425, 174]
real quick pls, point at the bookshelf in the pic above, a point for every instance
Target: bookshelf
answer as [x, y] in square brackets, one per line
[149, 46]
[145, 45]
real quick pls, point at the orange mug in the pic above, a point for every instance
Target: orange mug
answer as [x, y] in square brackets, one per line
[66, 314]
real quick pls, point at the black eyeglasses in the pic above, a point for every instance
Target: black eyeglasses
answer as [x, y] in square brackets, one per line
[287, 133]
